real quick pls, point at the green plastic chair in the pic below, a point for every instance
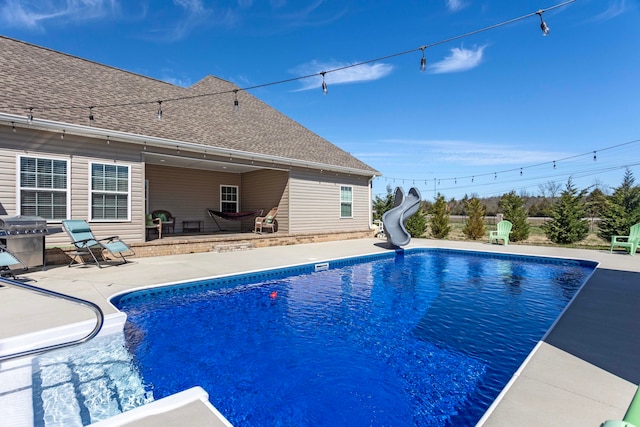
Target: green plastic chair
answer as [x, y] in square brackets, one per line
[502, 232]
[86, 244]
[629, 242]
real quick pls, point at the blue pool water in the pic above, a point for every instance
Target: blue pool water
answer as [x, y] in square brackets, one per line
[421, 337]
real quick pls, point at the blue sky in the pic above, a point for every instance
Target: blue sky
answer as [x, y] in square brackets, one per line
[490, 114]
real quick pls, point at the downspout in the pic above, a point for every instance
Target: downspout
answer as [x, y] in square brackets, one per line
[371, 226]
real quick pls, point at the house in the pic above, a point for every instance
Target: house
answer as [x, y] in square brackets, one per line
[83, 140]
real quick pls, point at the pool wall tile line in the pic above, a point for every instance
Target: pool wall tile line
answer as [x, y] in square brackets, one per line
[279, 273]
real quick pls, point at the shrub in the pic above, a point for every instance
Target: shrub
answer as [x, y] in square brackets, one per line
[474, 224]
[440, 227]
[416, 225]
[567, 224]
[513, 207]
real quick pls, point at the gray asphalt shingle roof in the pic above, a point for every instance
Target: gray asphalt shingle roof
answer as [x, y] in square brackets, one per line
[62, 87]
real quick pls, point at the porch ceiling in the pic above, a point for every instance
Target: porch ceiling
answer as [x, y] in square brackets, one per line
[194, 163]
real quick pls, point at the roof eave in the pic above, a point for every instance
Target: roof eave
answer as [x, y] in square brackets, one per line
[151, 141]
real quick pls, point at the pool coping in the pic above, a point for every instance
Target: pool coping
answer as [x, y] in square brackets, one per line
[108, 282]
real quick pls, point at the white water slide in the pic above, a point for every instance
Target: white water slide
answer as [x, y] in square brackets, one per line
[394, 220]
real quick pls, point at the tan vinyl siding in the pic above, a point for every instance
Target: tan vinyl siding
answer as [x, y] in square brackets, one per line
[316, 202]
[187, 193]
[80, 152]
[264, 190]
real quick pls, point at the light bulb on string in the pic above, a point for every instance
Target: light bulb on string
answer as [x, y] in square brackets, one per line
[236, 103]
[423, 60]
[595, 158]
[324, 84]
[543, 25]
[30, 115]
[159, 113]
[554, 165]
[62, 134]
[13, 126]
[520, 171]
[91, 118]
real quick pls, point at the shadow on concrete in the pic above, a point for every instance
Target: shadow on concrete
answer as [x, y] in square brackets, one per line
[602, 324]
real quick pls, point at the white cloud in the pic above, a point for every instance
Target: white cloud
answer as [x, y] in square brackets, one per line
[470, 153]
[460, 59]
[455, 5]
[615, 8]
[31, 15]
[346, 73]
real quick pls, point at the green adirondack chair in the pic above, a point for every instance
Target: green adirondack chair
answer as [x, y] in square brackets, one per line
[502, 232]
[629, 242]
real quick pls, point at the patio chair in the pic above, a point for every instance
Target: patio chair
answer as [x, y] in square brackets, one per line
[168, 220]
[268, 221]
[502, 232]
[86, 244]
[152, 223]
[630, 242]
[8, 259]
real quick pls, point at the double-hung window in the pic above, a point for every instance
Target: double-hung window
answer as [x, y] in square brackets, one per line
[44, 187]
[346, 201]
[110, 191]
[228, 198]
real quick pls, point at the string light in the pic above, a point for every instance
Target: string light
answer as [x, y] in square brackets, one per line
[159, 113]
[324, 84]
[108, 140]
[236, 104]
[30, 115]
[13, 126]
[423, 61]
[520, 170]
[543, 25]
[91, 118]
[62, 134]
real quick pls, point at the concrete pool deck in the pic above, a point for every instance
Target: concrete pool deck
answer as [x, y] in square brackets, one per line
[575, 377]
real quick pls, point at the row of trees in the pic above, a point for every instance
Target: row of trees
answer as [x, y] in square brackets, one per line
[567, 213]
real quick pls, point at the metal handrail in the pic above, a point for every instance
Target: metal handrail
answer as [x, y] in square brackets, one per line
[98, 312]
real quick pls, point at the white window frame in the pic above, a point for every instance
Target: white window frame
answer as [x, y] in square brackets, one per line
[346, 202]
[116, 192]
[20, 188]
[237, 201]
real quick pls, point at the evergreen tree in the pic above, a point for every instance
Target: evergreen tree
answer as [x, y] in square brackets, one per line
[596, 205]
[416, 225]
[474, 224]
[512, 206]
[621, 210]
[440, 227]
[567, 224]
[382, 204]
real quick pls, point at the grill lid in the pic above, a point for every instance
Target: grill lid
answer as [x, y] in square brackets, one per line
[18, 222]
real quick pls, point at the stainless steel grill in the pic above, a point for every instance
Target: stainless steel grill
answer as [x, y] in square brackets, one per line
[24, 236]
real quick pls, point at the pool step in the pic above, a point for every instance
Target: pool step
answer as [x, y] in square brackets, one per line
[77, 386]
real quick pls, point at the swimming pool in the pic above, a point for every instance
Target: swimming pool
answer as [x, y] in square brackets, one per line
[416, 337]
